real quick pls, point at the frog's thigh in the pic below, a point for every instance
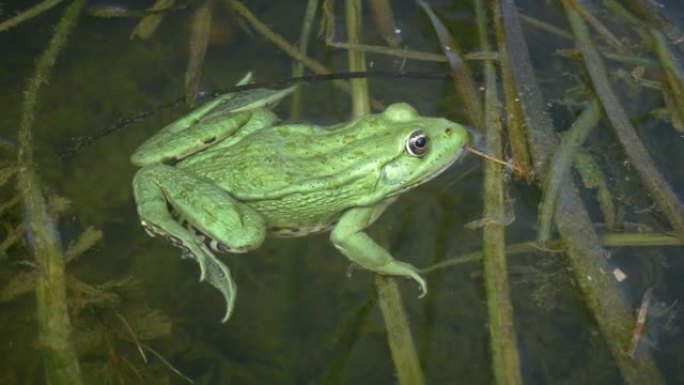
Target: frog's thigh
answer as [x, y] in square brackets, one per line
[208, 208]
[154, 213]
[349, 238]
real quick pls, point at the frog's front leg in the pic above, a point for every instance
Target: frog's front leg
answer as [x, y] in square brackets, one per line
[348, 237]
[213, 211]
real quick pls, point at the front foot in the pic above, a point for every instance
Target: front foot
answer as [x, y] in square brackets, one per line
[350, 240]
[405, 270]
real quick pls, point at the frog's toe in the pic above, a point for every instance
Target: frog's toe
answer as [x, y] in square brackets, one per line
[423, 288]
[409, 271]
[350, 269]
[213, 271]
[421, 281]
[405, 270]
[149, 232]
[218, 275]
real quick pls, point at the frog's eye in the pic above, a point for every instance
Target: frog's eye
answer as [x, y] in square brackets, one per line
[416, 144]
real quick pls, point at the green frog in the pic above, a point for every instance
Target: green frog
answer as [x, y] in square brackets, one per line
[224, 177]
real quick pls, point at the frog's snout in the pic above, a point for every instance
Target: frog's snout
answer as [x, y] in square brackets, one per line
[475, 138]
[471, 136]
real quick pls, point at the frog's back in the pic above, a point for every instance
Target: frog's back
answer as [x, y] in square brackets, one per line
[291, 173]
[306, 176]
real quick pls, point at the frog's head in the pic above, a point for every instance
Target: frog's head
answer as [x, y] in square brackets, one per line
[420, 148]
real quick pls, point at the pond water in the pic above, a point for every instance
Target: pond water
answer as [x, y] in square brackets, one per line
[302, 316]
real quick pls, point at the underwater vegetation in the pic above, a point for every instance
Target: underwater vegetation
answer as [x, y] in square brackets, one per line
[552, 255]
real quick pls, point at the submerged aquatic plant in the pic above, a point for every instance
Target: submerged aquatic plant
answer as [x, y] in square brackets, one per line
[634, 200]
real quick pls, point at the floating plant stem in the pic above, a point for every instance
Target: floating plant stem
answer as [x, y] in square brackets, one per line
[356, 60]
[672, 69]
[503, 344]
[593, 177]
[598, 26]
[558, 246]
[8, 204]
[561, 163]
[667, 62]
[146, 27]
[460, 73]
[648, 11]
[276, 39]
[586, 256]
[515, 124]
[527, 93]
[85, 241]
[11, 237]
[384, 22]
[640, 240]
[288, 48]
[59, 357]
[28, 14]
[632, 60]
[544, 26]
[168, 364]
[398, 332]
[663, 195]
[298, 67]
[345, 337]
[399, 336]
[640, 325]
[618, 11]
[411, 54]
[199, 39]
[489, 158]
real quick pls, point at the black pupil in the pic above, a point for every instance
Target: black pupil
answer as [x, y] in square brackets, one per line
[420, 142]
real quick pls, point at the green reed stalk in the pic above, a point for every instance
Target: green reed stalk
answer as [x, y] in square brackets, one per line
[297, 67]
[59, 357]
[527, 94]
[503, 344]
[464, 84]
[559, 169]
[200, 28]
[290, 50]
[674, 74]
[558, 246]
[28, 14]
[515, 125]
[586, 256]
[663, 195]
[384, 21]
[356, 60]
[401, 344]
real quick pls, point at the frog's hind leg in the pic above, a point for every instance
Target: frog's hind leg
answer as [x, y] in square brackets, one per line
[206, 207]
